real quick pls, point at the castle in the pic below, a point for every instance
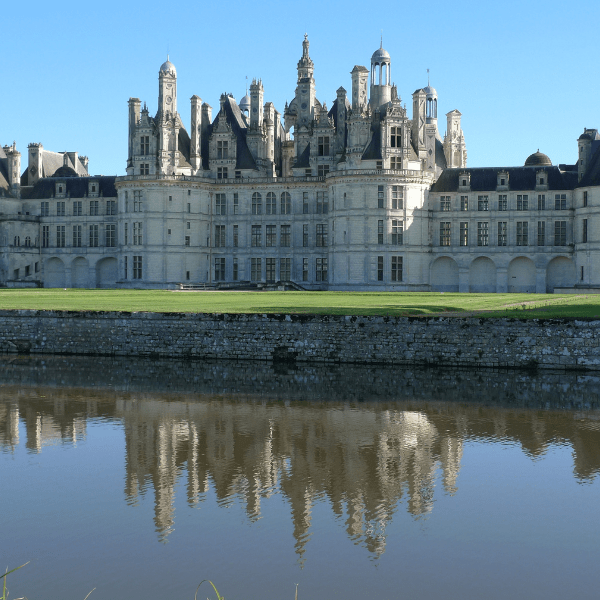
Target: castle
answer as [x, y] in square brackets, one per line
[357, 196]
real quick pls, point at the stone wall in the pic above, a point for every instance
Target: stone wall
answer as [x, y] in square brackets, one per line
[469, 342]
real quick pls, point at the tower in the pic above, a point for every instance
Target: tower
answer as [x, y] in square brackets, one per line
[305, 90]
[167, 119]
[196, 133]
[257, 93]
[167, 89]
[134, 119]
[381, 87]
[34, 165]
[14, 169]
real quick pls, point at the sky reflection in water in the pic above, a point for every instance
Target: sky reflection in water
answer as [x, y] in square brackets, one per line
[353, 482]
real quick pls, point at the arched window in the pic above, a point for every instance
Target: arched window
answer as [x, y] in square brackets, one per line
[271, 204]
[28, 241]
[17, 240]
[256, 204]
[286, 203]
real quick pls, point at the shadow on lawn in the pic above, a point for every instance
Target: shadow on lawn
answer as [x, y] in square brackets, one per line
[384, 310]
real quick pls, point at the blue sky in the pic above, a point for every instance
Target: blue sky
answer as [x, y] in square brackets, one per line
[522, 74]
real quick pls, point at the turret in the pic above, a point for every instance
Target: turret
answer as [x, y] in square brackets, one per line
[360, 78]
[167, 89]
[134, 119]
[584, 146]
[34, 167]
[340, 134]
[455, 148]
[381, 86]
[418, 121]
[14, 169]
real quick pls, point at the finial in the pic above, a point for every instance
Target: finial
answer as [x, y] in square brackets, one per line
[306, 37]
[427, 76]
[167, 57]
[246, 85]
[381, 43]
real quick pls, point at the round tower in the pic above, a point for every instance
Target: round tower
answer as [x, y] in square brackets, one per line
[381, 78]
[431, 100]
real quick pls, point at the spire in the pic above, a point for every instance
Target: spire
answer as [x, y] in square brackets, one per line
[427, 77]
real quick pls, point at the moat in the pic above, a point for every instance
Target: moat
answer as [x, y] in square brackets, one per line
[143, 477]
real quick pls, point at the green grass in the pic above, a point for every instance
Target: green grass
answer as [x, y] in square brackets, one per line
[331, 303]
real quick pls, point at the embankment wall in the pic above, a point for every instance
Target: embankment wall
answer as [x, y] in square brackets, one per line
[469, 342]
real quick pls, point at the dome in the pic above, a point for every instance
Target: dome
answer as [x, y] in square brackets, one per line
[430, 91]
[380, 55]
[168, 67]
[538, 159]
[245, 103]
[585, 136]
[65, 172]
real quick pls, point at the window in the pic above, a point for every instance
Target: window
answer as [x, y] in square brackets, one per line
[17, 240]
[45, 236]
[585, 199]
[27, 244]
[256, 204]
[271, 235]
[219, 236]
[321, 269]
[322, 203]
[464, 234]
[237, 174]
[502, 202]
[286, 203]
[45, 209]
[522, 233]
[187, 275]
[285, 269]
[541, 233]
[187, 240]
[270, 269]
[144, 170]
[321, 235]
[94, 237]
[464, 203]
[145, 145]
[256, 239]
[502, 233]
[581, 273]
[323, 145]
[111, 235]
[222, 149]
[445, 229]
[271, 207]
[483, 203]
[188, 225]
[285, 236]
[322, 170]
[221, 172]
[397, 198]
[560, 202]
[379, 165]
[76, 236]
[483, 233]
[445, 203]
[380, 198]
[94, 207]
[236, 203]
[27, 271]
[523, 202]
[396, 137]
[305, 269]
[219, 269]
[77, 208]
[541, 201]
[137, 234]
[125, 267]
[189, 206]
[125, 234]
[305, 203]
[396, 268]
[137, 267]
[380, 268]
[307, 173]
[235, 236]
[380, 231]
[220, 204]
[60, 209]
[397, 232]
[235, 271]
[584, 231]
[255, 269]
[305, 235]
[396, 163]
[560, 233]
[60, 236]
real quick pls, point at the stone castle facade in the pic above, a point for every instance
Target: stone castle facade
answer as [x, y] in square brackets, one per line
[357, 196]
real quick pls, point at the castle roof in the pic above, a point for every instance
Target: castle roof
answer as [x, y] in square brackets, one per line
[76, 187]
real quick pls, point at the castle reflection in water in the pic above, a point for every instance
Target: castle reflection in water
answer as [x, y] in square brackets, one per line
[369, 441]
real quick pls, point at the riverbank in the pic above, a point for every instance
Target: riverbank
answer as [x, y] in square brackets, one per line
[451, 342]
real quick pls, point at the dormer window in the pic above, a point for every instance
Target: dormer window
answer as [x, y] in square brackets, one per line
[540, 179]
[502, 180]
[464, 181]
[93, 188]
[222, 149]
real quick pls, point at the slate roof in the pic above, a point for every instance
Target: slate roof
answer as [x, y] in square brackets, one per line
[333, 114]
[233, 116]
[592, 173]
[519, 178]
[52, 161]
[303, 161]
[4, 187]
[440, 157]
[373, 150]
[76, 187]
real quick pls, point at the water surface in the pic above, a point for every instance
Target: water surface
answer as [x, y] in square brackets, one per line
[141, 478]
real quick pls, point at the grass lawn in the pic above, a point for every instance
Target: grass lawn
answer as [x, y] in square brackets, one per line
[334, 303]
